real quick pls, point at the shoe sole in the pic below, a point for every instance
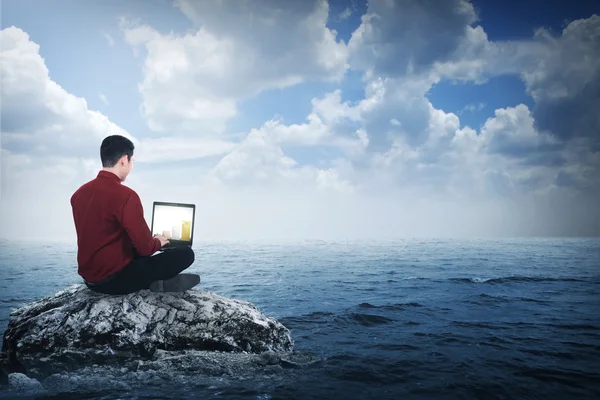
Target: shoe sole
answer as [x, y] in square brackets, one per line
[179, 283]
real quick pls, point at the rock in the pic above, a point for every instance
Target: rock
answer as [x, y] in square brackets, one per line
[77, 327]
[18, 382]
[3, 369]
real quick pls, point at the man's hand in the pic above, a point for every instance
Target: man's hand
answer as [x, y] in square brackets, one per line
[163, 240]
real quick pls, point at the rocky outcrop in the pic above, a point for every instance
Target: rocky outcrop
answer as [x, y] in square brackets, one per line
[77, 328]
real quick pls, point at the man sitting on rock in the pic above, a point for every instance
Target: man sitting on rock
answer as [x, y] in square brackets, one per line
[115, 246]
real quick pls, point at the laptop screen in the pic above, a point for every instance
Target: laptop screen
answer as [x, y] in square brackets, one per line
[174, 221]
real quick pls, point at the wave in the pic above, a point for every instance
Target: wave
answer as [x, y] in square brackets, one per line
[508, 279]
[495, 325]
[12, 300]
[364, 314]
[489, 280]
[311, 318]
[366, 319]
[396, 306]
[486, 299]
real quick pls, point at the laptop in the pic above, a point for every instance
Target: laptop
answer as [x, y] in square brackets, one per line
[175, 221]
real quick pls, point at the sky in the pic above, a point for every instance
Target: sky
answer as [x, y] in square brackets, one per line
[339, 120]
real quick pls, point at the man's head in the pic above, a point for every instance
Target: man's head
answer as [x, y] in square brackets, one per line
[116, 153]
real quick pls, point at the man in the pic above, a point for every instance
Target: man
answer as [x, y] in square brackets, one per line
[115, 245]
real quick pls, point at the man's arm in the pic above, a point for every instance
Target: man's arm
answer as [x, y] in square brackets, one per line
[132, 220]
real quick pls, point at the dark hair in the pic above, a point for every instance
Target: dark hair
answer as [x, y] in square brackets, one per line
[113, 148]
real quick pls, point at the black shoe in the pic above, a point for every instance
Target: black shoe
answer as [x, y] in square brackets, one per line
[179, 283]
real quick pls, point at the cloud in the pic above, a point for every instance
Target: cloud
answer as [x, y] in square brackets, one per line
[570, 63]
[512, 133]
[409, 36]
[392, 109]
[521, 149]
[345, 14]
[565, 81]
[38, 115]
[109, 39]
[103, 98]
[194, 81]
[260, 161]
[472, 107]
[561, 73]
[176, 149]
[39, 118]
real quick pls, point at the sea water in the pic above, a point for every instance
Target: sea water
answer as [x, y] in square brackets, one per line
[436, 319]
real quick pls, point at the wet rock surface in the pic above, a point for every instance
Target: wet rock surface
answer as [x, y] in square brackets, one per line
[78, 340]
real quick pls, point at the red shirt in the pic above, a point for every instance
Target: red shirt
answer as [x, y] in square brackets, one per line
[109, 220]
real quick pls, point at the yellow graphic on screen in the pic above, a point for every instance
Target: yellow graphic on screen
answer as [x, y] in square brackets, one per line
[186, 230]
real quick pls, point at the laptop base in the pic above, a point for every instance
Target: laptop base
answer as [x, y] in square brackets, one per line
[175, 247]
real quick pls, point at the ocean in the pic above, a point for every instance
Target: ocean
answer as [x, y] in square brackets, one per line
[410, 319]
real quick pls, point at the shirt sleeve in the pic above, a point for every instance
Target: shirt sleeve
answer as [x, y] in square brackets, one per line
[132, 220]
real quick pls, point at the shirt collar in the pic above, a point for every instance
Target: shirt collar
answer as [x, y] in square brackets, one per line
[109, 175]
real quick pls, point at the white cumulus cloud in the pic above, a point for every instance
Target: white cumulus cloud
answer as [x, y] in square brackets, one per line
[193, 81]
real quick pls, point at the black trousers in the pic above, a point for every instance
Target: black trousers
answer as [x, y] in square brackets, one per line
[142, 271]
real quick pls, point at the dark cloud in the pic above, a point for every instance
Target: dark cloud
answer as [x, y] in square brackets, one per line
[567, 180]
[575, 116]
[553, 157]
[548, 154]
[565, 81]
[401, 35]
[512, 134]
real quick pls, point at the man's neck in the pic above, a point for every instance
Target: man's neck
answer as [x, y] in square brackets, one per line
[113, 172]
